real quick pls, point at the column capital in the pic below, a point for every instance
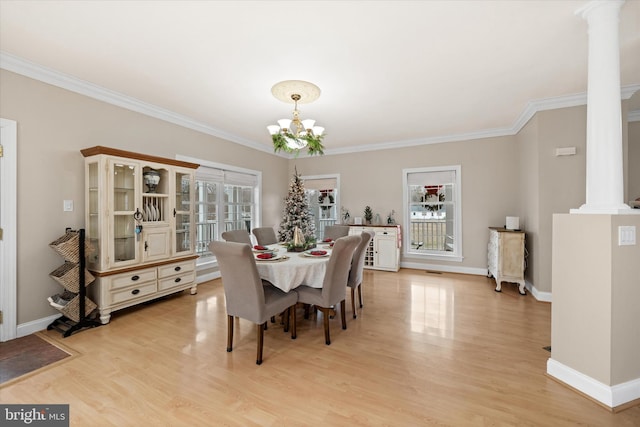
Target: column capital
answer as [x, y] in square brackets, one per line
[588, 8]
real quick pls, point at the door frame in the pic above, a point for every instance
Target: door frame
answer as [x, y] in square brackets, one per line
[8, 222]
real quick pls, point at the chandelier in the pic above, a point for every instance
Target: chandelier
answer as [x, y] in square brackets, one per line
[292, 135]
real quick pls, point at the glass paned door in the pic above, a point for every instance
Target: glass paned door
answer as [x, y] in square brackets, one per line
[238, 207]
[206, 215]
[183, 214]
[124, 248]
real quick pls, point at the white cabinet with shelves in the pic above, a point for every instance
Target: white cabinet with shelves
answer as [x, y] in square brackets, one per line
[383, 252]
[139, 215]
[506, 257]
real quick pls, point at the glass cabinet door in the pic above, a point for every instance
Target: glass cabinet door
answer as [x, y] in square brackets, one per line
[124, 202]
[183, 212]
[93, 215]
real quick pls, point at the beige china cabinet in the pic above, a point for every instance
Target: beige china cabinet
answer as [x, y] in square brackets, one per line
[139, 225]
[506, 257]
[383, 252]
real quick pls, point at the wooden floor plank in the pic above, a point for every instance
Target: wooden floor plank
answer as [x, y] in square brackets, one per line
[426, 349]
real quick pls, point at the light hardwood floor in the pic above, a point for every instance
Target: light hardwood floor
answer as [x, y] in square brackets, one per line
[427, 349]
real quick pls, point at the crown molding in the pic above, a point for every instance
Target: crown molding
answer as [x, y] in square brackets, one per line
[65, 81]
[35, 71]
[530, 110]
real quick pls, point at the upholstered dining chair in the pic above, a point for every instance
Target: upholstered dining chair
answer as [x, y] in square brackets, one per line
[357, 268]
[265, 235]
[334, 232]
[245, 294]
[334, 285]
[238, 236]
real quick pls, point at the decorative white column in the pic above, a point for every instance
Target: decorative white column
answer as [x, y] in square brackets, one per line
[605, 183]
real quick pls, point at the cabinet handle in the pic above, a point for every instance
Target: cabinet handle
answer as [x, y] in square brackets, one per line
[177, 280]
[134, 278]
[174, 212]
[384, 232]
[146, 246]
[135, 292]
[178, 268]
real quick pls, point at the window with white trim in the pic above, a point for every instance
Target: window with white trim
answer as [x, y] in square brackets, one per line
[227, 198]
[323, 195]
[432, 212]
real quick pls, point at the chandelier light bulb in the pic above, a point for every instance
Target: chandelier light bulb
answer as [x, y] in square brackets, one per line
[285, 124]
[308, 124]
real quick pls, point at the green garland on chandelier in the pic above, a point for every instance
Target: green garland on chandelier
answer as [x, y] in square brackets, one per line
[314, 144]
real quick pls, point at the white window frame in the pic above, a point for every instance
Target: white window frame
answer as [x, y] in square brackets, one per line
[408, 250]
[211, 260]
[337, 196]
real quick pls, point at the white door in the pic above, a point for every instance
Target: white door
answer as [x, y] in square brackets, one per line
[8, 255]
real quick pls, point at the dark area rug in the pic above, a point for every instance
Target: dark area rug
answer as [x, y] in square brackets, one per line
[25, 355]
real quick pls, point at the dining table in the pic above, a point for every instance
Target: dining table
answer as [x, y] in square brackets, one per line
[288, 270]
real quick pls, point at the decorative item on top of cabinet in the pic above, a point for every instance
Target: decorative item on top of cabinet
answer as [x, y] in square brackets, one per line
[368, 214]
[506, 257]
[383, 252]
[139, 213]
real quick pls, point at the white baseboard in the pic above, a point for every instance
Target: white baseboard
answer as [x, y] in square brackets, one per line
[611, 396]
[538, 295]
[444, 268]
[29, 328]
[201, 278]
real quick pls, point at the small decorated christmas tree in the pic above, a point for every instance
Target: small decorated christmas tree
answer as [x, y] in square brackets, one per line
[296, 213]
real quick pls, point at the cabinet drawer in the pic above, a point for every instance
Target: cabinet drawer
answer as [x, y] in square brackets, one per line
[133, 292]
[123, 280]
[177, 268]
[386, 232]
[180, 280]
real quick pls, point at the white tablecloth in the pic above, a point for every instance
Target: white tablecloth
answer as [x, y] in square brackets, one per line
[295, 271]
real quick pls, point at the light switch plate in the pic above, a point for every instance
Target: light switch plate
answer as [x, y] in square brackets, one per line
[67, 205]
[626, 235]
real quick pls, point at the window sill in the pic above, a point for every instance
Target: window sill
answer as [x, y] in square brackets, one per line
[434, 257]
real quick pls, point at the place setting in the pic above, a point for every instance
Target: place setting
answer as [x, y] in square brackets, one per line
[264, 253]
[316, 253]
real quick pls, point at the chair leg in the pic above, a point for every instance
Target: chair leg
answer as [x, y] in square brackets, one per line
[294, 332]
[325, 316]
[343, 315]
[229, 333]
[306, 310]
[360, 294]
[260, 337]
[353, 303]
[285, 319]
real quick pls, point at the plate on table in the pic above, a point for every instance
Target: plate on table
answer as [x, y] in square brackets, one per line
[261, 249]
[315, 253]
[263, 257]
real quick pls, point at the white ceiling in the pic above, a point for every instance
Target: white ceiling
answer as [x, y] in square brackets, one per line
[391, 72]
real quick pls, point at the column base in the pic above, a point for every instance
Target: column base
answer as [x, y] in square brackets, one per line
[622, 209]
